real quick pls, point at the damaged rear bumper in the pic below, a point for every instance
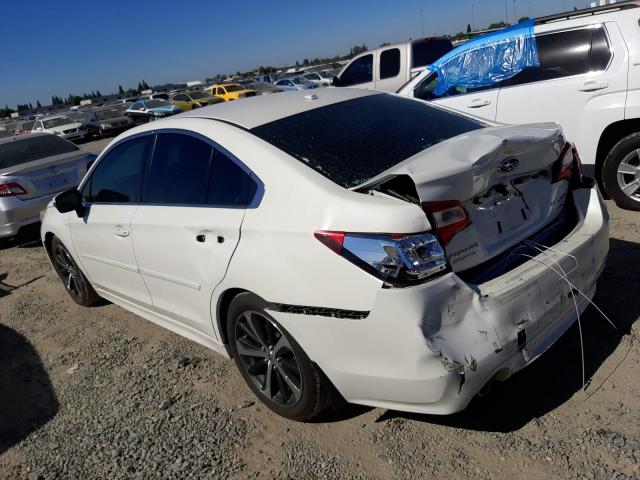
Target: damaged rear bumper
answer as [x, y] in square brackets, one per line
[431, 348]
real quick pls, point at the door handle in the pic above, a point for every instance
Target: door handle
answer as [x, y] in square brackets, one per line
[479, 102]
[202, 237]
[592, 86]
[121, 231]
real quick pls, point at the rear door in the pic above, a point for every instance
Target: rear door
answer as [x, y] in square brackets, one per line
[102, 236]
[391, 69]
[188, 225]
[581, 84]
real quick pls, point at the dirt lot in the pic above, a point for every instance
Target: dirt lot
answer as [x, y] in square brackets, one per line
[101, 393]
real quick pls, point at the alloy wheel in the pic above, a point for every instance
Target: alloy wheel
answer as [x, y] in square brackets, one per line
[66, 269]
[268, 358]
[628, 175]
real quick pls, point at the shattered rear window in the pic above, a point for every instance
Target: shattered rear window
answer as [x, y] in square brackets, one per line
[353, 141]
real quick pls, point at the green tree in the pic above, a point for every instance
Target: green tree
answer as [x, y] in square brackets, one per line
[38, 104]
[468, 28]
[523, 19]
[120, 90]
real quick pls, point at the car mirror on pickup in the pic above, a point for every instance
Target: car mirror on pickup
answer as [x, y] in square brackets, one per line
[69, 200]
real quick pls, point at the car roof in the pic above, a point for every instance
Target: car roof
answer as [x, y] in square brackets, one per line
[252, 112]
[21, 138]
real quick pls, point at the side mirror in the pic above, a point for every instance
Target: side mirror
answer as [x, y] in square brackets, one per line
[335, 81]
[68, 201]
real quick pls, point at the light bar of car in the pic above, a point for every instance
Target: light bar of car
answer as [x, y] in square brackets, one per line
[448, 218]
[11, 189]
[398, 259]
[569, 159]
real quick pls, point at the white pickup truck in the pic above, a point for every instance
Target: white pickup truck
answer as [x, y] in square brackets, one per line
[388, 68]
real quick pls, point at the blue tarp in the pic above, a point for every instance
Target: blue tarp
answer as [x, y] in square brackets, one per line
[487, 59]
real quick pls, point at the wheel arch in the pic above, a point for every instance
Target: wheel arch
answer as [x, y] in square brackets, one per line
[609, 138]
[222, 308]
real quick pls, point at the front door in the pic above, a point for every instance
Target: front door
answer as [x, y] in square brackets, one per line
[102, 236]
[188, 225]
[480, 102]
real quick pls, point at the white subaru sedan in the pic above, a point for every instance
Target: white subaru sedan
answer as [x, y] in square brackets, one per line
[344, 244]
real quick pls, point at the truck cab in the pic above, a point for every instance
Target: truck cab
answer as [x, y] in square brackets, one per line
[388, 68]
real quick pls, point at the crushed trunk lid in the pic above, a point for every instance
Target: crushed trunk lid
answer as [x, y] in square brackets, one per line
[502, 176]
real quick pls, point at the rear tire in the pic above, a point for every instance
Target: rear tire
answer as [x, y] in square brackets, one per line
[74, 281]
[621, 173]
[272, 363]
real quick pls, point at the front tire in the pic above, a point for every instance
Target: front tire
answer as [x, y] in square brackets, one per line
[272, 363]
[74, 281]
[621, 172]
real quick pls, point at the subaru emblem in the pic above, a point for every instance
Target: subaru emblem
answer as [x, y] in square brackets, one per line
[508, 165]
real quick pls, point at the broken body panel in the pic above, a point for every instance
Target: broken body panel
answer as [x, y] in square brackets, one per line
[431, 348]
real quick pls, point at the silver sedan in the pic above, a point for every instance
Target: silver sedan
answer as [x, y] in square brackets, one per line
[34, 168]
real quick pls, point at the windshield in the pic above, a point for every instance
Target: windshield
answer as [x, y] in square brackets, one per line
[33, 147]
[104, 114]
[299, 80]
[232, 88]
[57, 122]
[198, 95]
[353, 141]
[155, 103]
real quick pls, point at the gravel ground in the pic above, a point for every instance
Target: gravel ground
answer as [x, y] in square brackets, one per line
[101, 393]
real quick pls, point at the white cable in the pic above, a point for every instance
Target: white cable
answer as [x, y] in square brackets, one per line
[533, 244]
[573, 297]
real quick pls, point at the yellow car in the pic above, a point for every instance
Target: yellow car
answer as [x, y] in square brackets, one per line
[190, 100]
[231, 91]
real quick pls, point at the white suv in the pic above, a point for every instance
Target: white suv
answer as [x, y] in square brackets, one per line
[588, 82]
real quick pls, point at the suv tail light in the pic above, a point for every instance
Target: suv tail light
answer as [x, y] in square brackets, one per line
[397, 259]
[11, 189]
[448, 218]
[568, 164]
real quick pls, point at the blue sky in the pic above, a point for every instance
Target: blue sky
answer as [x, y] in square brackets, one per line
[71, 46]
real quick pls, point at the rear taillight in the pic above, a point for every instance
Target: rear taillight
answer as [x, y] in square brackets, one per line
[448, 216]
[397, 259]
[11, 189]
[567, 164]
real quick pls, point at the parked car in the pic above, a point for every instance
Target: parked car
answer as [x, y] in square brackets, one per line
[294, 83]
[144, 111]
[264, 78]
[33, 168]
[190, 100]
[584, 83]
[262, 88]
[25, 127]
[457, 290]
[318, 79]
[230, 91]
[61, 125]
[388, 68]
[155, 96]
[108, 121]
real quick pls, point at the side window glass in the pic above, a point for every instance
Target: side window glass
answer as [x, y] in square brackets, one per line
[360, 71]
[230, 186]
[389, 63]
[424, 90]
[179, 171]
[561, 54]
[600, 51]
[118, 176]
